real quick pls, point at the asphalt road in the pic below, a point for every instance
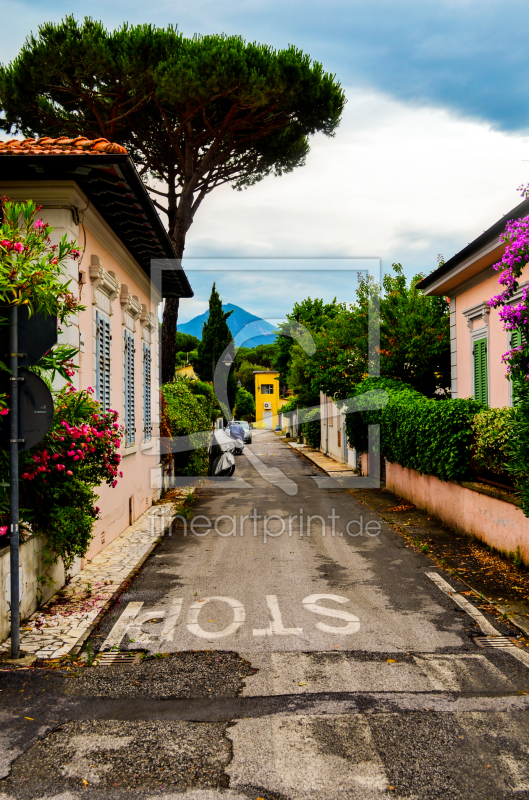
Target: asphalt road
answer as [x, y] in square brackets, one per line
[290, 658]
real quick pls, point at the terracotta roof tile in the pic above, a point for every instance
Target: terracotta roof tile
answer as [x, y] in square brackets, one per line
[52, 147]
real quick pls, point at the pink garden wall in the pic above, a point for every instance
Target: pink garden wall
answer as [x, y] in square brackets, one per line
[496, 522]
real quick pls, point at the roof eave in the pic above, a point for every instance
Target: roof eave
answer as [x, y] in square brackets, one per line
[477, 256]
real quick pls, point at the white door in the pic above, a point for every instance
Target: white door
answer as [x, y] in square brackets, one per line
[267, 418]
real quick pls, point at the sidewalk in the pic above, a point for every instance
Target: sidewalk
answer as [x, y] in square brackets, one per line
[66, 621]
[326, 463]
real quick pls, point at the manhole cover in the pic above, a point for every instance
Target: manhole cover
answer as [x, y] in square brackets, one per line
[493, 641]
[118, 658]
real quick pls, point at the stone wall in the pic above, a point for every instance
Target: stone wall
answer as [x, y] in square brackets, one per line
[33, 593]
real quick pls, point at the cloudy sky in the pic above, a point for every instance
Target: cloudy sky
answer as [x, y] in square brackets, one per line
[433, 142]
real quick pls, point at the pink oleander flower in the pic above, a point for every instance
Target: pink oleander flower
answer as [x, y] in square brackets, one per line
[4, 412]
[71, 453]
[19, 247]
[40, 224]
[69, 472]
[3, 530]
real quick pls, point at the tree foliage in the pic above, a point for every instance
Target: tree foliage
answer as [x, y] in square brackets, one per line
[432, 436]
[194, 113]
[244, 405]
[216, 337]
[414, 341]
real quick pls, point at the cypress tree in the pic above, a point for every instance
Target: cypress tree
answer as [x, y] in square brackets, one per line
[216, 336]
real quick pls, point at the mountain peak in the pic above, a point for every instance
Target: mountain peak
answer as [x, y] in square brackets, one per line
[247, 329]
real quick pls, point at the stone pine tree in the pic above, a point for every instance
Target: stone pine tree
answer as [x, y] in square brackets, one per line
[216, 336]
[193, 113]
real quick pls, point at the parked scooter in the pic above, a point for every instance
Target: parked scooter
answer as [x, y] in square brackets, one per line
[221, 460]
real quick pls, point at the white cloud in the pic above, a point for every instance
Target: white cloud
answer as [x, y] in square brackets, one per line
[399, 181]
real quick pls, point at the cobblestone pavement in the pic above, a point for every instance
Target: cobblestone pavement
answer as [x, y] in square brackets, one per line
[68, 618]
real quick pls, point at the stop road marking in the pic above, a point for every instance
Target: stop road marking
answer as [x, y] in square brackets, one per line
[131, 620]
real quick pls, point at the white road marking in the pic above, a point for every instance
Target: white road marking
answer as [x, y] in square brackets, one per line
[120, 628]
[239, 615]
[134, 629]
[484, 624]
[447, 672]
[276, 627]
[171, 619]
[272, 475]
[310, 604]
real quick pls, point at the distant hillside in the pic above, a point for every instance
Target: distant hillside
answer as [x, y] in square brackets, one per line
[258, 332]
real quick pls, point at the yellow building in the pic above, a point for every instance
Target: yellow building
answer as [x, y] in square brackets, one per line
[267, 400]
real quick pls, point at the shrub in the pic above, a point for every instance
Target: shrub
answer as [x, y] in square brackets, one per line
[311, 427]
[59, 475]
[431, 436]
[493, 428]
[187, 414]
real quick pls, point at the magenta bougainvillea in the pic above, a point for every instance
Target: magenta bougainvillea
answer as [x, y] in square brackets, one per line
[515, 318]
[514, 315]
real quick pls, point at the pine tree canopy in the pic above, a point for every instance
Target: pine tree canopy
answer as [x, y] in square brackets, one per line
[193, 113]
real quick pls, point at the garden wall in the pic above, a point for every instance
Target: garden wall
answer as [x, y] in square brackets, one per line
[30, 569]
[482, 513]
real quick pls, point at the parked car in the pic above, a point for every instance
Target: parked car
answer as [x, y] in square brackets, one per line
[246, 427]
[236, 432]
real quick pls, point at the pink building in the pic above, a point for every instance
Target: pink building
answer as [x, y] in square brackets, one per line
[91, 191]
[478, 340]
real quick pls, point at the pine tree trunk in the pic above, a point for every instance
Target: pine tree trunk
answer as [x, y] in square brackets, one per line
[170, 313]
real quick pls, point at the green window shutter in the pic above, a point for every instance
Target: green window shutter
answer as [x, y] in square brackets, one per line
[516, 341]
[480, 371]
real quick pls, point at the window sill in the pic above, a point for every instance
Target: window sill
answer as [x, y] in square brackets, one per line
[128, 451]
[148, 445]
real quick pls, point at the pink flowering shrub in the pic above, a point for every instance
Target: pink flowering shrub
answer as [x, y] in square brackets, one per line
[515, 317]
[32, 273]
[60, 475]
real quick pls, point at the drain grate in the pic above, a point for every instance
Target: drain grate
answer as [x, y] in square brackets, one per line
[113, 657]
[493, 641]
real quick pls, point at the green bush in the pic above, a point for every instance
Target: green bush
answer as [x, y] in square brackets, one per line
[188, 411]
[311, 427]
[493, 429]
[434, 437]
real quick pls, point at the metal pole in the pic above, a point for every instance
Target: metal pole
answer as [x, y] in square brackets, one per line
[13, 485]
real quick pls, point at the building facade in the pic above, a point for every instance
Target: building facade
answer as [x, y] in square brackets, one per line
[477, 338]
[91, 192]
[267, 399]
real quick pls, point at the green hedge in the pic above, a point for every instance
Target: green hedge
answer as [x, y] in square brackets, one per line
[311, 427]
[433, 437]
[189, 412]
[493, 429]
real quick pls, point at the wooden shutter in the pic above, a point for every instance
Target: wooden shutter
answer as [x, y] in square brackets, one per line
[128, 377]
[147, 418]
[480, 371]
[516, 340]
[103, 361]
